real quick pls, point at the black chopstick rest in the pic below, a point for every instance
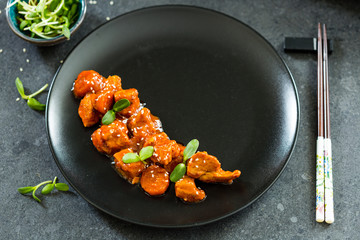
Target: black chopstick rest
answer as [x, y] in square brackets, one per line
[305, 45]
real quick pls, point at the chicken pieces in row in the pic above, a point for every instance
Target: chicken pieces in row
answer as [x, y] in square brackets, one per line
[135, 128]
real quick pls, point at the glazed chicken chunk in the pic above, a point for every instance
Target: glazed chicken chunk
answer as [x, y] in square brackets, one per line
[87, 82]
[164, 148]
[175, 159]
[131, 95]
[130, 171]
[105, 97]
[186, 189]
[207, 168]
[143, 124]
[89, 116]
[111, 138]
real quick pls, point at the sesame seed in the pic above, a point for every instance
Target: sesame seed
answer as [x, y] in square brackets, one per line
[24, 49]
[107, 18]
[18, 99]
[1, 50]
[61, 61]
[21, 69]
[111, 2]
[27, 60]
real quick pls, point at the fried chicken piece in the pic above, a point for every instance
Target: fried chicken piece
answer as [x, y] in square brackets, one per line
[111, 138]
[207, 168]
[143, 124]
[200, 163]
[87, 82]
[220, 176]
[155, 180]
[164, 148]
[105, 97]
[103, 101]
[186, 189]
[112, 84]
[131, 95]
[175, 159]
[130, 171]
[87, 113]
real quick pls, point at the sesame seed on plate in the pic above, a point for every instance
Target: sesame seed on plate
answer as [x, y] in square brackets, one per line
[27, 60]
[1, 50]
[111, 2]
[24, 49]
[21, 69]
[107, 18]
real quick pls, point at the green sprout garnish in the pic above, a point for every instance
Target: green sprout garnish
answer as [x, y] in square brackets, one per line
[144, 154]
[49, 187]
[46, 18]
[31, 101]
[180, 169]
[110, 115]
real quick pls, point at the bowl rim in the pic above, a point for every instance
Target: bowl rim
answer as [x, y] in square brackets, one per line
[56, 39]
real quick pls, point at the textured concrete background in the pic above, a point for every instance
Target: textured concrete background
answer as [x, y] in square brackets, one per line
[286, 211]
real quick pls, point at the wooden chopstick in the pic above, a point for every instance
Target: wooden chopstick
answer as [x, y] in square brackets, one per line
[324, 179]
[320, 177]
[329, 202]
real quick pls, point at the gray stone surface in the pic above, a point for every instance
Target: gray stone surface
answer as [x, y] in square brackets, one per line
[286, 211]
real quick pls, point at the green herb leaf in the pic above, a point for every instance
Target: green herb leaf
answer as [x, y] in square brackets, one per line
[109, 117]
[190, 149]
[62, 187]
[32, 15]
[178, 172]
[20, 7]
[20, 88]
[35, 104]
[66, 32]
[47, 189]
[121, 104]
[53, 5]
[146, 152]
[72, 11]
[24, 190]
[23, 24]
[131, 158]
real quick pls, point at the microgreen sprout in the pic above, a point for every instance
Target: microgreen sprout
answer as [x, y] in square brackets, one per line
[49, 187]
[180, 169]
[110, 115]
[144, 154]
[46, 18]
[31, 101]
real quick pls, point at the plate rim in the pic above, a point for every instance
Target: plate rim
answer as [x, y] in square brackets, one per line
[196, 223]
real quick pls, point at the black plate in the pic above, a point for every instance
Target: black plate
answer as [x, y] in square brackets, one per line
[207, 76]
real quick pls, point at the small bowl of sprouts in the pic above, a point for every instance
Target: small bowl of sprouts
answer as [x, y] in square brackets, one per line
[45, 22]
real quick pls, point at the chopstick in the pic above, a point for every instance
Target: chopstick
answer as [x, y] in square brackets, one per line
[324, 179]
[329, 201]
[320, 177]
